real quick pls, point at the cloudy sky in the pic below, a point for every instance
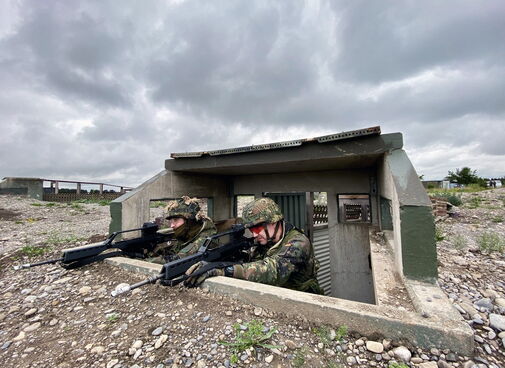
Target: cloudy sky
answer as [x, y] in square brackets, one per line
[106, 90]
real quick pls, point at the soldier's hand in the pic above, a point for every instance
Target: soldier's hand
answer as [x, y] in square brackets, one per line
[197, 280]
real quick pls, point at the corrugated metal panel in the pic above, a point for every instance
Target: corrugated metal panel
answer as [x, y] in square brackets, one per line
[293, 207]
[276, 145]
[322, 252]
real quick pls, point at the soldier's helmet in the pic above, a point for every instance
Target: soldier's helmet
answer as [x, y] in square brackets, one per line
[184, 207]
[262, 210]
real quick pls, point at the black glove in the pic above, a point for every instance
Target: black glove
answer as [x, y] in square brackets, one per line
[197, 280]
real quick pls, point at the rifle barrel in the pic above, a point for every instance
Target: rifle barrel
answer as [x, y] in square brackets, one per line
[126, 288]
[28, 265]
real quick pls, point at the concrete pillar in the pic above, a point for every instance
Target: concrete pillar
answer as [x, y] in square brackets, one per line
[56, 187]
[101, 188]
[78, 188]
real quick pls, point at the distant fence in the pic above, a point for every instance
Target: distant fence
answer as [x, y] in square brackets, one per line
[69, 197]
[320, 214]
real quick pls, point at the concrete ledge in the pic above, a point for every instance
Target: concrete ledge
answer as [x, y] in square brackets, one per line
[436, 330]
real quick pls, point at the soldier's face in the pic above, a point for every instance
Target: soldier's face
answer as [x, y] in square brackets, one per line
[259, 233]
[176, 222]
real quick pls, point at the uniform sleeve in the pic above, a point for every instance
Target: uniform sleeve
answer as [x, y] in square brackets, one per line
[273, 270]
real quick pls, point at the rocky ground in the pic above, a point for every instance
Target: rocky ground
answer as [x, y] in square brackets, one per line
[51, 317]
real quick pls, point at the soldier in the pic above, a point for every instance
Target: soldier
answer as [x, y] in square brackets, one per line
[283, 255]
[190, 227]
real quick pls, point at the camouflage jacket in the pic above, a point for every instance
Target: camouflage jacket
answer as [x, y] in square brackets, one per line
[191, 246]
[183, 248]
[290, 263]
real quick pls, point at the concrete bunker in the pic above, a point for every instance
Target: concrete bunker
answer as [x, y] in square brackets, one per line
[370, 186]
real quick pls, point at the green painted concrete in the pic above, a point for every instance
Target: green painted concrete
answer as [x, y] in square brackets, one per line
[116, 207]
[419, 251]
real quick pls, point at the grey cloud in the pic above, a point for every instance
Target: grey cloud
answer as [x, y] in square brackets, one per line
[382, 41]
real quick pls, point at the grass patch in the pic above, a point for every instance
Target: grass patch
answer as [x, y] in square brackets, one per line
[491, 242]
[51, 204]
[300, 357]
[452, 198]
[474, 202]
[101, 202]
[253, 335]
[76, 206]
[439, 235]
[398, 365]
[157, 204]
[497, 219]
[32, 251]
[18, 222]
[36, 204]
[325, 335]
[459, 242]
[58, 239]
[112, 317]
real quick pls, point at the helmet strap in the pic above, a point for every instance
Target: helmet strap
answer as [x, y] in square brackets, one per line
[271, 239]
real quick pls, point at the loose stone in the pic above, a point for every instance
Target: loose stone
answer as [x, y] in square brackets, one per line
[374, 347]
[161, 340]
[157, 331]
[20, 336]
[85, 290]
[137, 344]
[33, 327]
[497, 321]
[112, 363]
[31, 312]
[428, 365]
[402, 353]
[269, 358]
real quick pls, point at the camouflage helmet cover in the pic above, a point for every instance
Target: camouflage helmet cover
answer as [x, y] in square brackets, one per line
[261, 210]
[184, 207]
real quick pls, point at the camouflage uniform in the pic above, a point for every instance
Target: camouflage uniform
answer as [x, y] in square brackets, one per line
[188, 237]
[289, 263]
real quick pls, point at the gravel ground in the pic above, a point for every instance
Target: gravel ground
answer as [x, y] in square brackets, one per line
[51, 317]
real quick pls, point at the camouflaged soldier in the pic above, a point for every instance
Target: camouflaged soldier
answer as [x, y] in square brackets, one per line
[283, 255]
[190, 226]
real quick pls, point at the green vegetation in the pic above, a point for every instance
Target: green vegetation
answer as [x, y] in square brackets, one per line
[157, 204]
[50, 204]
[112, 318]
[324, 334]
[299, 358]
[497, 219]
[491, 242]
[101, 202]
[76, 206]
[58, 239]
[474, 202]
[33, 251]
[398, 365]
[252, 336]
[459, 242]
[439, 235]
[447, 195]
[466, 176]
[36, 204]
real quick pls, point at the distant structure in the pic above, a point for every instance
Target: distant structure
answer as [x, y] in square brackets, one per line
[34, 188]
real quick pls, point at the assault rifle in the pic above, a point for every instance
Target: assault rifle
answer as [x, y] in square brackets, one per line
[217, 251]
[132, 248]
